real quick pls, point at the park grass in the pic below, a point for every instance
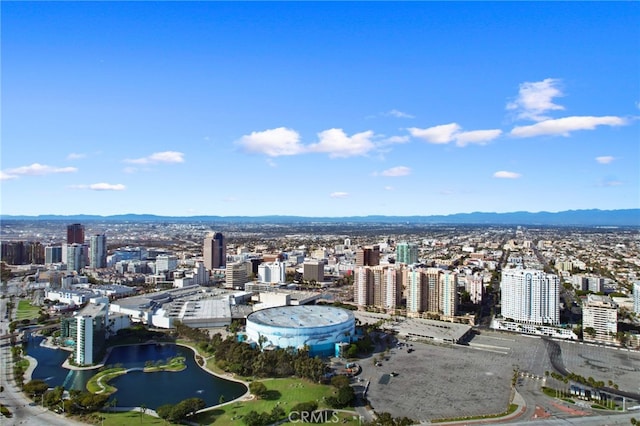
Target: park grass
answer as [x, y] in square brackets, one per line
[94, 387]
[175, 364]
[26, 311]
[284, 393]
[126, 418]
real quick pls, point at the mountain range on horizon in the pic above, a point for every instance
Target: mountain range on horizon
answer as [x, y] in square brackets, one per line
[590, 217]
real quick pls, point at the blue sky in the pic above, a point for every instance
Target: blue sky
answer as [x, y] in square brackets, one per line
[319, 109]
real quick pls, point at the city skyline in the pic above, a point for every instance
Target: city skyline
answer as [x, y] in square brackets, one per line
[319, 109]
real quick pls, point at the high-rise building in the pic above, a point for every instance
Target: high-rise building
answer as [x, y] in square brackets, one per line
[368, 256]
[35, 253]
[415, 282]
[379, 286]
[14, 252]
[432, 282]
[363, 286]
[599, 319]
[214, 251]
[392, 284]
[76, 257]
[313, 270]
[406, 253]
[52, 254]
[88, 331]
[636, 297]
[98, 250]
[530, 296]
[448, 289]
[75, 234]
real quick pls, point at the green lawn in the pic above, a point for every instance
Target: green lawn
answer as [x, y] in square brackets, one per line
[283, 392]
[127, 418]
[26, 311]
[94, 387]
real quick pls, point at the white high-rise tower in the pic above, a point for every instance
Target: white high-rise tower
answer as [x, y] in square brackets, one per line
[530, 296]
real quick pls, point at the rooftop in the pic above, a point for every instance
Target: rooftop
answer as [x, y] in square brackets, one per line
[305, 316]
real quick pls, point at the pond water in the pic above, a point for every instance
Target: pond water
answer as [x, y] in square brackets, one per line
[137, 388]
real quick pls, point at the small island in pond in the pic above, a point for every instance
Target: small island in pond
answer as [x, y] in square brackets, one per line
[98, 384]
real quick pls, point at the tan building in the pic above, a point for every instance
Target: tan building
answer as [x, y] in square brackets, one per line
[599, 319]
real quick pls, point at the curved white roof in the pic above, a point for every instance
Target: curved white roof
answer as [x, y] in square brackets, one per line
[303, 316]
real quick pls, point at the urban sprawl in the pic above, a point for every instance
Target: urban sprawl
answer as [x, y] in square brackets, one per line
[478, 299]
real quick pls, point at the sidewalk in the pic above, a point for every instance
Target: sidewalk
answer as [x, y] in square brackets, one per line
[517, 399]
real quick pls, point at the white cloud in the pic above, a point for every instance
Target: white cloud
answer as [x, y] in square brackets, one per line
[506, 175]
[563, 126]
[101, 187]
[389, 188]
[167, 157]
[6, 176]
[396, 171]
[339, 195]
[75, 156]
[536, 98]
[36, 169]
[394, 139]
[480, 137]
[397, 114]
[271, 163]
[129, 170]
[336, 143]
[605, 159]
[437, 134]
[446, 133]
[273, 142]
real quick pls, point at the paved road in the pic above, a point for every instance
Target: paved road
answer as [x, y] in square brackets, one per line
[13, 398]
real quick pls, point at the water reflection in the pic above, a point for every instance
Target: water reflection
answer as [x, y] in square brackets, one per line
[137, 388]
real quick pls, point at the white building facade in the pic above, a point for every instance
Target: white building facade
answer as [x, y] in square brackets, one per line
[530, 296]
[272, 272]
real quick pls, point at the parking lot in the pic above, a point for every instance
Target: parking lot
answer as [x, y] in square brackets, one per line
[438, 381]
[444, 381]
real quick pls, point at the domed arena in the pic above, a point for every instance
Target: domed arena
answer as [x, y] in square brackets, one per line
[321, 329]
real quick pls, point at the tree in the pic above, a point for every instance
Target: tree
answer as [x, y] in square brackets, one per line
[143, 411]
[258, 389]
[35, 388]
[235, 326]
[164, 411]
[303, 407]
[339, 381]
